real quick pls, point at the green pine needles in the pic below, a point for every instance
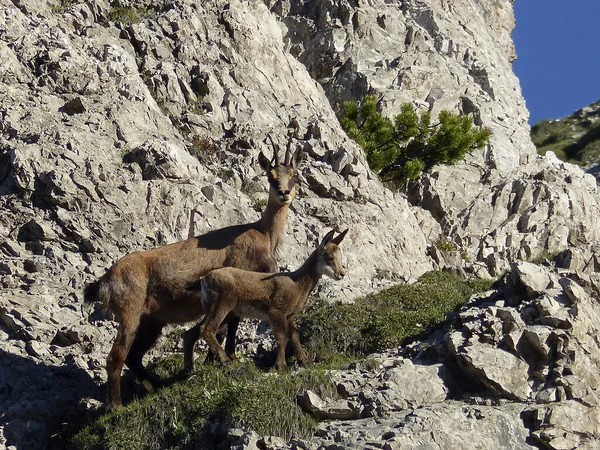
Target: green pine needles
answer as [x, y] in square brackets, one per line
[401, 149]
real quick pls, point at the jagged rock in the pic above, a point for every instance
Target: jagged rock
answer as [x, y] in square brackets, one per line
[529, 280]
[339, 410]
[448, 425]
[567, 425]
[496, 220]
[500, 371]
[112, 134]
[75, 106]
[354, 49]
[36, 231]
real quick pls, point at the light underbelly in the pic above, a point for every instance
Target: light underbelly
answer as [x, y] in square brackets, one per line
[249, 311]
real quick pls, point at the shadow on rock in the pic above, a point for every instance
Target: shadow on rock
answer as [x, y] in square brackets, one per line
[43, 406]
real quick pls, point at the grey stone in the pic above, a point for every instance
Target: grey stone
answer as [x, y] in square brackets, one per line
[500, 371]
[130, 128]
[321, 409]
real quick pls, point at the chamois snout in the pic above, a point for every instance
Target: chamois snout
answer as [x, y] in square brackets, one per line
[339, 274]
[285, 196]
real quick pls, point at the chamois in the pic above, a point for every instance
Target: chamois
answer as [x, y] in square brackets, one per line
[145, 290]
[278, 297]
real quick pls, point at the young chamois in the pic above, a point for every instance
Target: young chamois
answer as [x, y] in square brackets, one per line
[230, 292]
[145, 290]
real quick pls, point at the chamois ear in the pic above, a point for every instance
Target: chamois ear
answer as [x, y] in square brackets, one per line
[327, 239]
[264, 162]
[297, 158]
[340, 237]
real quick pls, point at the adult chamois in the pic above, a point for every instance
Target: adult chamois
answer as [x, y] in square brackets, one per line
[278, 297]
[145, 290]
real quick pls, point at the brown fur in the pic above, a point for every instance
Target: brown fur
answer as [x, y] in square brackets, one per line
[145, 290]
[278, 297]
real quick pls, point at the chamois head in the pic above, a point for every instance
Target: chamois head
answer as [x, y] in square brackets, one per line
[329, 256]
[282, 177]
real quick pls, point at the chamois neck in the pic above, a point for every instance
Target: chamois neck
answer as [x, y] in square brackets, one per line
[272, 222]
[307, 276]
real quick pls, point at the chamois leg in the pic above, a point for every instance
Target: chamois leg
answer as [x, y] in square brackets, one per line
[190, 337]
[295, 338]
[147, 333]
[209, 332]
[116, 359]
[232, 326]
[280, 331]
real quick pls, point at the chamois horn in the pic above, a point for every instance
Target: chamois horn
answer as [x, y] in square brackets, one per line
[275, 150]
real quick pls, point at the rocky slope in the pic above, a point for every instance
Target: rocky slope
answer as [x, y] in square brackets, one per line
[118, 122]
[515, 371]
[574, 138]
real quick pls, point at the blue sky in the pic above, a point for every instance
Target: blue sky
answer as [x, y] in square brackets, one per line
[558, 49]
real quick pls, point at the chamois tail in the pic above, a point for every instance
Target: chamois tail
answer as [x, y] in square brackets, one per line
[91, 291]
[98, 291]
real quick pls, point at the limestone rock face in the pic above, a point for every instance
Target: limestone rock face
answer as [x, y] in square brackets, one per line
[114, 130]
[545, 209]
[449, 54]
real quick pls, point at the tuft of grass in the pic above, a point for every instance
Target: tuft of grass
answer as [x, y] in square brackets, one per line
[380, 321]
[62, 5]
[128, 14]
[181, 414]
[545, 256]
[445, 245]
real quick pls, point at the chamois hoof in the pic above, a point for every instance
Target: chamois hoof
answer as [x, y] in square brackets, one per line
[282, 368]
[113, 405]
[210, 358]
[225, 363]
[307, 363]
[185, 373]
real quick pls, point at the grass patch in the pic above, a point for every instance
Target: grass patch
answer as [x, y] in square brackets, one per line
[128, 14]
[445, 245]
[63, 5]
[380, 321]
[181, 414]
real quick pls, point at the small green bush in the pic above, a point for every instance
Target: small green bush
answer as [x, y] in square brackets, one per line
[445, 245]
[401, 149]
[380, 321]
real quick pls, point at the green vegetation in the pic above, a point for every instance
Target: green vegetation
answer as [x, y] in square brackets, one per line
[128, 14]
[445, 245]
[62, 5]
[383, 320]
[574, 138]
[401, 149]
[545, 256]
[181, 415]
